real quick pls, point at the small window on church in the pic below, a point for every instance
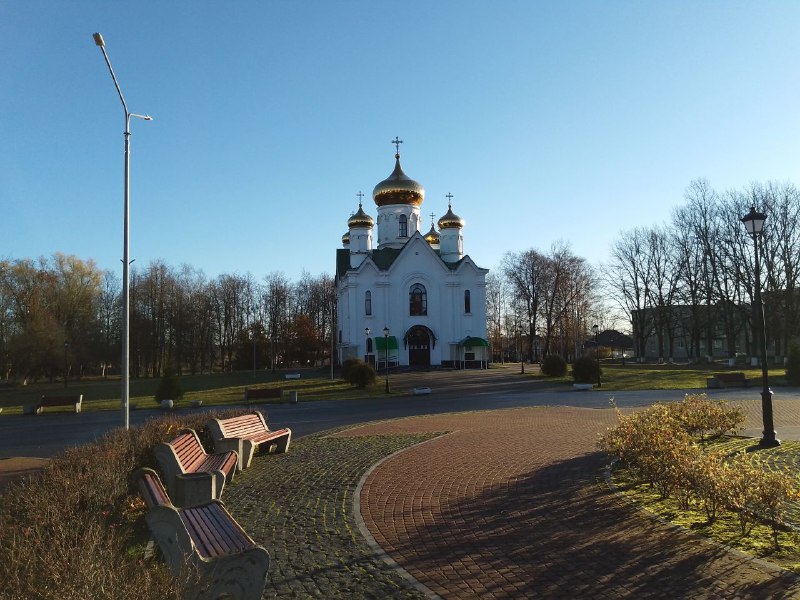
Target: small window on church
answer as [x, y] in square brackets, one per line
[418, 300]
[467, 303]
[368, 303]
[403, 226]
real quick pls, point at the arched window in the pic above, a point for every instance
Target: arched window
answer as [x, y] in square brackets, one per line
[367, 302]
[467, 304]
[418, 300]
[403, 226]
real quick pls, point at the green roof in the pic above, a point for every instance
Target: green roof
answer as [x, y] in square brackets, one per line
[469, 342]
[380, 343]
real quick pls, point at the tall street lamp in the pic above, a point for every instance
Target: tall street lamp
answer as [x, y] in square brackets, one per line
[386, 346]
[366, 344]
[596, 330]
[126, 294]
[754, 224]
[521, 352]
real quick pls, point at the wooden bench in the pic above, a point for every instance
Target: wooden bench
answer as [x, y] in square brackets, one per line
[259, 393]
[74, 400]
[230, 564]
[245, 433]
[192, 475]
[723, 380]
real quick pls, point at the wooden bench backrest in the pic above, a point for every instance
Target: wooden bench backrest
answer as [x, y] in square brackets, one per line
[60, 400]
[243, 425]
[151, 489]
[188, 450]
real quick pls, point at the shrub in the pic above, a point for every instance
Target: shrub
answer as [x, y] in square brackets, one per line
[702, 417]
[169, 388]
[77, 530]
[347, 365]
[360, 374]
[554, 365]
[585, 370]
[793, 365]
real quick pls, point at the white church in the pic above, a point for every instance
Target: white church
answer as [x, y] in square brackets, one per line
[414, 300]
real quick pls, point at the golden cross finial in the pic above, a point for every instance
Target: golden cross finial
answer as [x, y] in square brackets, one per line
[397, 141]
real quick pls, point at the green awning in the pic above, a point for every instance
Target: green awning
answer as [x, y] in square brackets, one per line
[380, 343]
[471, 342]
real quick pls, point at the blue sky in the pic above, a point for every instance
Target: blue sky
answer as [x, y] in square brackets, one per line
[546, 121]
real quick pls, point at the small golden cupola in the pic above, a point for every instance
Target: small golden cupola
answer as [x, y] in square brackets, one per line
[360, 219]
[432, 237]
[346, 239]
[450, 220]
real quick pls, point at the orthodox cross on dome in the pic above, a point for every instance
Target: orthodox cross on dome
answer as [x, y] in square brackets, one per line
[360, 196]
[433, 216]
[397, 141]
[449, 197]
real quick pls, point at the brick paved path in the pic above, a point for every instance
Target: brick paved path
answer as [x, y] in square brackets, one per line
[508, 505]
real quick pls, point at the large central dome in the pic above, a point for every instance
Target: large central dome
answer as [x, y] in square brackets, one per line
[398, 188]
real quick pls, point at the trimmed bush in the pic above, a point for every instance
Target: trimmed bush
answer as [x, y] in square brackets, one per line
[793, 365]
[169, 388]
[586, 370]
[360, 374]
[554, 365]
[77, 530]
[347, 365]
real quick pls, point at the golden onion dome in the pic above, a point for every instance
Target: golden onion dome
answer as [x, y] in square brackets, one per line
[360, 219]
[450, 220]
[398, 188]
[346, 238]
[432, 237]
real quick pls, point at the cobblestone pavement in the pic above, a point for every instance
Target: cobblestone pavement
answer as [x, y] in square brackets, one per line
[299, 506]
[509, 505]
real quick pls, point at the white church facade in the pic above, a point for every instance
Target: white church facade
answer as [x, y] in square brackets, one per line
[411, 299]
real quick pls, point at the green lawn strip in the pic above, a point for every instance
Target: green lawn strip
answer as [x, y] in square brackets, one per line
[725, 529]
[217, 389]
[618, 377]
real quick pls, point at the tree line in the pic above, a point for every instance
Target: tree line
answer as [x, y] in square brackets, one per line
[60, 316]
[693, 279]
[541, 303]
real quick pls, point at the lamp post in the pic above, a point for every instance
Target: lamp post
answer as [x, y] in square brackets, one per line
[126, 293]
[386, 346]
[754, 224]
[596, 330]
[521, 352]
[366, 344]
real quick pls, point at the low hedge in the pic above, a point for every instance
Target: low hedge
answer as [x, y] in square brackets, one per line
[77, 530]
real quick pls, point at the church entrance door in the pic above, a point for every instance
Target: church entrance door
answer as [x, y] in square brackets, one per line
[419, 348]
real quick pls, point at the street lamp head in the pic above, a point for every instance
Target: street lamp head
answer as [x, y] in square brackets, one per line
[366, 331]
[143, 117]
[98, 39]
[596, 329]
[385, 332]
[754, 221]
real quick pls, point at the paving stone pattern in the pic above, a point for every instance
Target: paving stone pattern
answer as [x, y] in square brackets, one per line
[299, 506]
[510, 505]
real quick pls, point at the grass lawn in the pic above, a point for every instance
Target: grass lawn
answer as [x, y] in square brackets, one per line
[616, 376]
[216, 389]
